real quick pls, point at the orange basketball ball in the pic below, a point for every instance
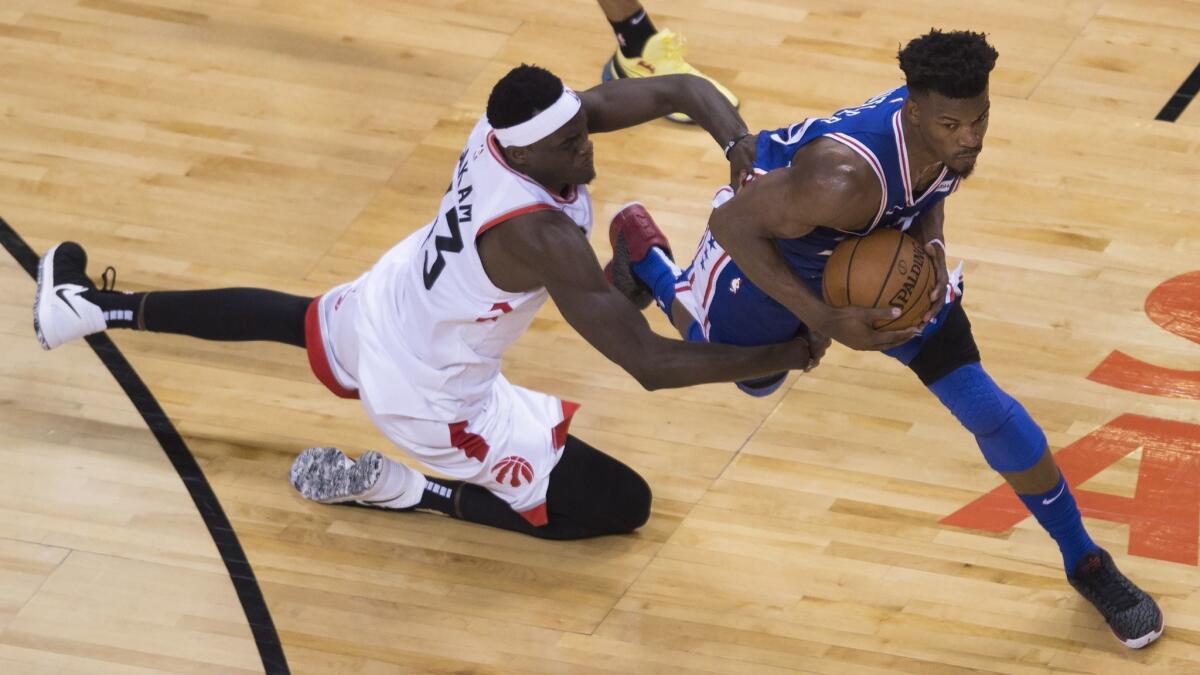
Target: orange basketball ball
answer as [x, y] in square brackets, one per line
[886, 268]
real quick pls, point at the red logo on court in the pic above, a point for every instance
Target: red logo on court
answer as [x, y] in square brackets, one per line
[513, 469]
[1175, 307]
[1163, 515]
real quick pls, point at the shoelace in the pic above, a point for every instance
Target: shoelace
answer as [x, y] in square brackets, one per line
[1110, 588]
[108, 280]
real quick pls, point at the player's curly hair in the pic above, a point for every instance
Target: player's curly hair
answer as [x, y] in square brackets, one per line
[954, 64]
[522, 93]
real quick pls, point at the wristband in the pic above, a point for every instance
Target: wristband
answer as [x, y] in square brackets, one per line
[729, 146]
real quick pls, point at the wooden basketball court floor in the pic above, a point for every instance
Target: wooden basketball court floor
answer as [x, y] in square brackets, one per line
[287, 143]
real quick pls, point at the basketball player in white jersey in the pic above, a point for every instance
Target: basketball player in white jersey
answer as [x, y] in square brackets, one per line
[419, 337]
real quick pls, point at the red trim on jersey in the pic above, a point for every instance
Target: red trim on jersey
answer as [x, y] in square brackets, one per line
[865, 152]
[934, 185]
[499, 156]
[902, 149]
[315, 346]
[536, 516]
[560, 431]
[472, 445]
[520, 211]
[712, 278]
[902, 152]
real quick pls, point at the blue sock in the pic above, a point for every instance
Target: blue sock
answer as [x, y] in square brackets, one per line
[1061, 519]
[660, 273]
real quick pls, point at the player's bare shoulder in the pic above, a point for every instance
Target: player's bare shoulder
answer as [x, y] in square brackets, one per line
[836, 184]
[514, 252]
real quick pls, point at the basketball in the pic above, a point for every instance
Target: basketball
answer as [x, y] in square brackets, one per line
[886, 268]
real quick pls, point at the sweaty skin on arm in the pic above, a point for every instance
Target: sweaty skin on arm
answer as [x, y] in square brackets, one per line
[624, 103]
[546, 249]
[826, 185]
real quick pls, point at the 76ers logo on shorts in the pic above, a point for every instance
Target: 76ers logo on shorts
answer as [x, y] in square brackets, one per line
[513, 470]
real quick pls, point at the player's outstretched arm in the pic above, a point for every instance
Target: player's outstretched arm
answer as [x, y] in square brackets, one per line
[551, 251]
[628, 102]
[823, 187]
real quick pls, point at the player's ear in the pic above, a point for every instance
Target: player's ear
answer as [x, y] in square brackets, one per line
[912, 110]
[517, 155]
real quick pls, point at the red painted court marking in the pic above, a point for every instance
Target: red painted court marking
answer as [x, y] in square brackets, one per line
[1175, 306]
[1164, 513]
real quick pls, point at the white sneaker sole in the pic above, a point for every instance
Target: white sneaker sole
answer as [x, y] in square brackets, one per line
[45, 289]
[328, 476]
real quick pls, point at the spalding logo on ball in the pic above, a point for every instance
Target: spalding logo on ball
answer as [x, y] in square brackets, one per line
[886, 268]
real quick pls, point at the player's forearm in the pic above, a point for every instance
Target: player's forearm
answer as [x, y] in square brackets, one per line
[674, 364]
[700, 100]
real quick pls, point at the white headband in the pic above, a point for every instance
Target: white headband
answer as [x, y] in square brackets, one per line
[542, 124]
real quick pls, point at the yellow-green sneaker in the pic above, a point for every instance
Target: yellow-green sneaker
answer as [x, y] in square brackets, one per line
[663, 55]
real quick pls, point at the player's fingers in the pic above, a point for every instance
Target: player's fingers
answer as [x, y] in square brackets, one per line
[739, 180]
[818, 347]
[934, 309]
[880, 313]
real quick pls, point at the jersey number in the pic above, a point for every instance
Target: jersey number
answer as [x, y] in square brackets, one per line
[451, 244]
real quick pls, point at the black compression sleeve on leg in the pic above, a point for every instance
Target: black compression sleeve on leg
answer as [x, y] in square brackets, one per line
[590, 495]
[477, 504]
[234, 314]
[596, 493]
[949, 348]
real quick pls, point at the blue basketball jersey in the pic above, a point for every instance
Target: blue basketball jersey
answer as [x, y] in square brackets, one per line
[873, 131]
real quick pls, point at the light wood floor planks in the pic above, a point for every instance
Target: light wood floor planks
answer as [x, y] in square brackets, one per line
[288, 143]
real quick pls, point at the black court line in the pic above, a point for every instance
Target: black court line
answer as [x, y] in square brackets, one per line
[250, 595]
[1183, 96]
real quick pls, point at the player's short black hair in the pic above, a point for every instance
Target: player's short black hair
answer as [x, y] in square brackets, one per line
[954, 64]
[524, 92]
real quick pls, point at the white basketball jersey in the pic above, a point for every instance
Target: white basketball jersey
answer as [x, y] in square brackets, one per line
[432, 326]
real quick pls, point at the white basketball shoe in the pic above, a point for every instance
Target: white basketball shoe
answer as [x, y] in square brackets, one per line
[328, 476]
[60, 312]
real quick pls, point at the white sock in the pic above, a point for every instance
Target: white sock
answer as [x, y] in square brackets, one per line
[398, 487]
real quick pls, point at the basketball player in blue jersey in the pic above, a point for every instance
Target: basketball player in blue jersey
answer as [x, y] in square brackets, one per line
[888, 163]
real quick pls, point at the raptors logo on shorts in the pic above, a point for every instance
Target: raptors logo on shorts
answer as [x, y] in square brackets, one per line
[513, 469]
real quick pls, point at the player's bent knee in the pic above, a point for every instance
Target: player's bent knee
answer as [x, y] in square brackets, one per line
[630, 505]
[1017, 445]
[1009, 438]
[640, 499]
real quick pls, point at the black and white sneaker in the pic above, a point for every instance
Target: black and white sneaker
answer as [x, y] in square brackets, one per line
[328, 476]
[1132, 615]
[60, 312]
